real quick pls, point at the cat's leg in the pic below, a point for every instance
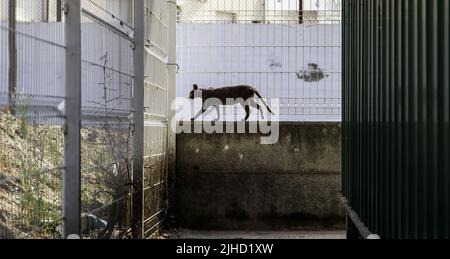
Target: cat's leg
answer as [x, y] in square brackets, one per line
[257, 106]
[199, 114]
[247, 111]
[218, 112]
[246, 108]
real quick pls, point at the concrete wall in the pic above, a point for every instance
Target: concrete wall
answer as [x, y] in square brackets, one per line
[230, 181]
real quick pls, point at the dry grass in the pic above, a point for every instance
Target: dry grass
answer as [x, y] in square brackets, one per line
[30, 158]
[31, 162]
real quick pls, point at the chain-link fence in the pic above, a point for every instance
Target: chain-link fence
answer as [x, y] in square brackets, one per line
[156, 116]
[32, 97]
[289, 50]
[69, 155]
[260, 11]
[107, 112]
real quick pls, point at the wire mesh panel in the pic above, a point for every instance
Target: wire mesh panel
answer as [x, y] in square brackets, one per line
[106, 151]
[289, 50]
[31, 118]
[156, 116]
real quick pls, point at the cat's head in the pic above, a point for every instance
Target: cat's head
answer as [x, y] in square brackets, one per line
[192, 94]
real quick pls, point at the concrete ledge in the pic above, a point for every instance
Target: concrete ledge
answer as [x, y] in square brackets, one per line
[230, 181]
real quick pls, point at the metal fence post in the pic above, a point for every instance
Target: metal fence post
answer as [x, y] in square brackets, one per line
[12, 44]
[172, 67]
[72, 143]
[58, 10]
[138, 118]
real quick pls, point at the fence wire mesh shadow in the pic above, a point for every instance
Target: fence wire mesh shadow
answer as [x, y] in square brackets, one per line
[289, 50]
[33, 118]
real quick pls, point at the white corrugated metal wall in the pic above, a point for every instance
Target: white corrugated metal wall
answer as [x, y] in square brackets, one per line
[292, 57]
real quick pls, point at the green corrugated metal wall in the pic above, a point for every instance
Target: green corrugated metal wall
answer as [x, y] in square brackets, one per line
[396, 115]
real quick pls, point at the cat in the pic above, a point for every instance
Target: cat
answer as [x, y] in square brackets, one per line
[241, 94]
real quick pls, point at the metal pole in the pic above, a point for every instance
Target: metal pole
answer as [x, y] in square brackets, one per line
[12, 42]
[58, 10]
[45, 11]
[300, 17]
[72, 145]
[138, 118]
[172, 67]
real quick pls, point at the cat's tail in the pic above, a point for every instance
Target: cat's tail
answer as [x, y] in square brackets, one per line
[264, 102]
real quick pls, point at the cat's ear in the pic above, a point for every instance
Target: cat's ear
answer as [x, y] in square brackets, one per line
[195, 87]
